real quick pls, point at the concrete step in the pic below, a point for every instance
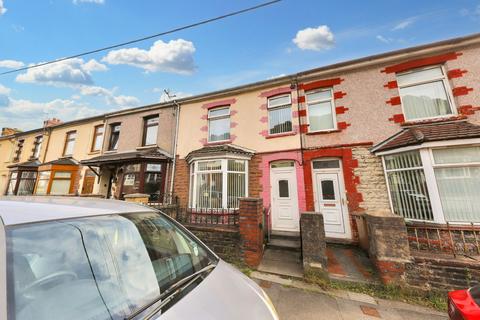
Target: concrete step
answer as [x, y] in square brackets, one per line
[284, 234]
[286, 244]
[281, 262]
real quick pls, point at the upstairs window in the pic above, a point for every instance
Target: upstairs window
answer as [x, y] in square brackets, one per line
[114, 136]
[424, 93]
[219, 124]
[150, 131]
[37, 146]
[69, 143]
[320, 108]
[97, 138]
[18, 151]
[280, 114]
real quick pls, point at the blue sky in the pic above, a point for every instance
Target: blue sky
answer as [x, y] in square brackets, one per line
[284, 38]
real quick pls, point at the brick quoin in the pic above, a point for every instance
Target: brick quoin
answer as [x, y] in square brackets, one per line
[394, 101]
[341, 110]
[456, 73]
[397, 118]
[422, 62]
[468, 110]
[461, 91]
[391, 85]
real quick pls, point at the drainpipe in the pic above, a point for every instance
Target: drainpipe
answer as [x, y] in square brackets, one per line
[295, 83]
[175, 140]
[49, 131]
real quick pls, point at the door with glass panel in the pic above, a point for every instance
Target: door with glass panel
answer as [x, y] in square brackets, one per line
[330, 198]
[284, 197]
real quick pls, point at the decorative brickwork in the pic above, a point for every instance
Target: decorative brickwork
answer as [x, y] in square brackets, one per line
[461, 91]
[394, 101]
[468, 110]
[397, 118]
[251, 230]
[255, 176]
[456, 73]
[422, 62]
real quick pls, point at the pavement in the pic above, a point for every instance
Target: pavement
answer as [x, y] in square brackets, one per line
[295, 299]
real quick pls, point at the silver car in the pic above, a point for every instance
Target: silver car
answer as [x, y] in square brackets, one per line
[77, 258]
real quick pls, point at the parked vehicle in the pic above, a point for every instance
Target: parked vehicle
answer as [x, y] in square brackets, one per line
[464, 304]
[77, 258]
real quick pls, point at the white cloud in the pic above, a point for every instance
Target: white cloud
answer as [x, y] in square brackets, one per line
[89, 1]
[175, 56]
[71, 72]
[317, 39]
[110, 97]
[404, 23]
[11, 64]
[2, 8]
[26, 114]
[383, 39]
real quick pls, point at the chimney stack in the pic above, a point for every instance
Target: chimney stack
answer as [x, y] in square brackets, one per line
[9, 131]
[51, 122]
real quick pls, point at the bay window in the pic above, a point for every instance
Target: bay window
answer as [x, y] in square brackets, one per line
[425, 93]
[321, 110]
[280, 114]
[440, 184]
[217, 184]
[219, 124]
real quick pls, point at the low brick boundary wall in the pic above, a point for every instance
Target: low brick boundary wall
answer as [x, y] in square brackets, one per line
[431, 272]
[223, 240]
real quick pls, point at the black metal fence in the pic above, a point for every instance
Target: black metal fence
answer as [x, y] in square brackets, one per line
[200, 216]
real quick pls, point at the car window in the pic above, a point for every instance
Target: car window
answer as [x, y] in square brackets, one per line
[96, 268]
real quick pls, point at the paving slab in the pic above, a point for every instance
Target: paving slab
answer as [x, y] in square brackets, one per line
[282, 262]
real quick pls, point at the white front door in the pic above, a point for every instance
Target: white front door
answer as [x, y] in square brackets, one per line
[284, 212]
[330, 201]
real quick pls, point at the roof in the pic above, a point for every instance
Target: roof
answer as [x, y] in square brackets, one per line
[416, 135]
[27, 164]
[17, 209]
[219, 150]
[62, 161]
[146, 154]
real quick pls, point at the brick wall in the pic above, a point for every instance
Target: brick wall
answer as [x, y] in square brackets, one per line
[429, 272]
[251, 230]
[223, 240]
[181, 181]
[371, 182]
[255, 176]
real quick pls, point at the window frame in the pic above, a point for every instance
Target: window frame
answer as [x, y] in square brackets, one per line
[446, 85]
[210, 118]
[428, 164]
[18, 150]
[332, 105]
[69, 140]
[146, 126]
[73, 170]
[224, 170]
[96, 136]
[112, 132]
[37, 146]
[283, 106]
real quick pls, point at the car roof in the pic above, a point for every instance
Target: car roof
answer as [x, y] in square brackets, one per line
[19, 209]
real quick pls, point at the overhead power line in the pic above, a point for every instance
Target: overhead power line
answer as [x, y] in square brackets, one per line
[189, 26]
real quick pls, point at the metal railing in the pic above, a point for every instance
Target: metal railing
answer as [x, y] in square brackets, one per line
[449, 239]
[200, 216]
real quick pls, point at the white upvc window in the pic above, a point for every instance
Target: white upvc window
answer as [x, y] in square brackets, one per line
[219, 124]
[218, 183]
[438, 184]
[321, 110]
[425, 94]
[280, 114]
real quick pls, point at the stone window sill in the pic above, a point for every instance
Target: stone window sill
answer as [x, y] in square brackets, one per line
[322, 132]
[280, 135]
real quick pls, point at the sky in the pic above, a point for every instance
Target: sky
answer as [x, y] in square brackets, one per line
[284, 38]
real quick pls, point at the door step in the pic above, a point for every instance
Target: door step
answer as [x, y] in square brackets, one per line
[285, 241]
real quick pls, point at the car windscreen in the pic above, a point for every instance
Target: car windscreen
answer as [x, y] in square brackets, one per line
[104, 267]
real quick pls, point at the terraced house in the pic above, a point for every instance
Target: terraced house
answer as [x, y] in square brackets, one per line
[396, 131]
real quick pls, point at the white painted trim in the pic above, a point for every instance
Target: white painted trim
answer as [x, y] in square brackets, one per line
[433, 144]
[432, 187]
[388, 185]
[332, 105]
[446, 85]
